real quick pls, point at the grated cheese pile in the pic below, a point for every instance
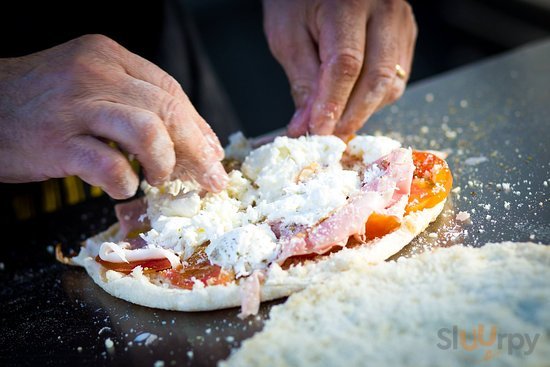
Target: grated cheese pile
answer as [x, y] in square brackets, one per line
[403, 313]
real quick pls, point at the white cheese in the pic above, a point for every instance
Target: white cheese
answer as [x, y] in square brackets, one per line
[244, 249]
[308, 202]
[241, 188]
[115, 253]
[166, 232]
[212, 215]
[186, 205]
[370, 148]
[273, 166]
[290, 181]
[238, 147]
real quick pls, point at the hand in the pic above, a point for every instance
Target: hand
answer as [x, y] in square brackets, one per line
[340, 57]
[59, 108]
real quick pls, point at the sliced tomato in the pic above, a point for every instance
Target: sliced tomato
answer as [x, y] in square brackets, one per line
[198, 268]
[300, 259]
[379, 225]
[148, 266]
[432, 182]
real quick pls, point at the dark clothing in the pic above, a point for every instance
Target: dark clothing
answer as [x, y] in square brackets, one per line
[160, 31]
[30, 26]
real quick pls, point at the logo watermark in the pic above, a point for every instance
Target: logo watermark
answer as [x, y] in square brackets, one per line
[487, 339]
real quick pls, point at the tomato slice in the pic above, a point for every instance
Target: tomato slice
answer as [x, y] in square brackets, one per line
[432, 182]
[149, 266]
[379, 225]
[198, 268]
[300, 259]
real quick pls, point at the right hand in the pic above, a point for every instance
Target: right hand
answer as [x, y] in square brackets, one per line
[340, 58]
[60, 107]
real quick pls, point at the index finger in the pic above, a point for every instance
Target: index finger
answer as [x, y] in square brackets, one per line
[194, 153]
[142, 69]
[341, 48]
[198, 150]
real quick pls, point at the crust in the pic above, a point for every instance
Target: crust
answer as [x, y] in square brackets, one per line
[137, 288]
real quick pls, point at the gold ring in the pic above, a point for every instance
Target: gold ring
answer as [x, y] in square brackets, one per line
[400, 72]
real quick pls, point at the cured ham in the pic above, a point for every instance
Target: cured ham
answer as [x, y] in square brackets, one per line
[115, 253]
[131, 217]
[385, 189]
[250, 294]
[133, 249]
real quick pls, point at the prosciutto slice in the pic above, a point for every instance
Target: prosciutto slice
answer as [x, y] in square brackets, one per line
[250, 294]
[117, 253]
[385, 190]
[129, 214]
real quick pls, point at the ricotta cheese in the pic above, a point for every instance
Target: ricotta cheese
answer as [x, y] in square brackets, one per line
[288, 181]
[244, 249]
[370, 148]
[308, 202]
[273, 166]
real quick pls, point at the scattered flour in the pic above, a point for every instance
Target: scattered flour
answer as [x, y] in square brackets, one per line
[403, 313]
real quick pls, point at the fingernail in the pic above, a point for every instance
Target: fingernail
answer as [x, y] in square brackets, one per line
[216, 177]
[125, 189]
[215, 145]
[131, 185]
[159, 180]
[324, 118]
[297, 125]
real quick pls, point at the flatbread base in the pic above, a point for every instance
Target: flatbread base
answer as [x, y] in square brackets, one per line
[138, 289]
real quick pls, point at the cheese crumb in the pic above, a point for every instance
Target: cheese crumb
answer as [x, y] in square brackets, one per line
[109, 345]
[462, 216]
[244, 249]
[474, 161]
[429, 97]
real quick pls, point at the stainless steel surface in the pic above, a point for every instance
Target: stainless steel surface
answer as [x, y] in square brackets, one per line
[492, 118]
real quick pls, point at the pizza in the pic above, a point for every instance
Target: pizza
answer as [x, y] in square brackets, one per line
[296, 211]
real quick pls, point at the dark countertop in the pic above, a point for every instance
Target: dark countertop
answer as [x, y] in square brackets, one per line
[493, 117]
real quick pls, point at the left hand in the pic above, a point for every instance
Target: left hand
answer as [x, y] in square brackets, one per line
[340, 57]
